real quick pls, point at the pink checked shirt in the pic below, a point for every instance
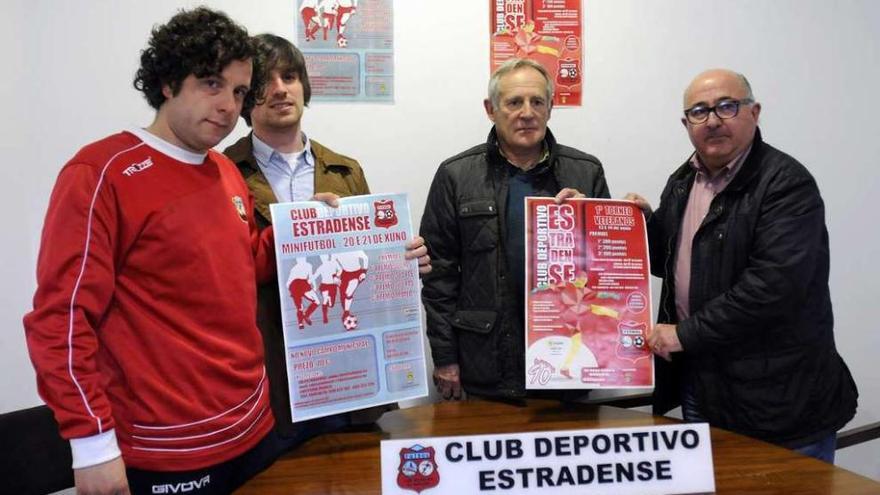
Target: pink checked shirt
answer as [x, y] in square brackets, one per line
[702, 193]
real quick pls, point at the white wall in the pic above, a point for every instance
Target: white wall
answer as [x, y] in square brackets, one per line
[813, 64]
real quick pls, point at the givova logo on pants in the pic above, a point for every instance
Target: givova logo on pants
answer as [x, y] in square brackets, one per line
[182, 487]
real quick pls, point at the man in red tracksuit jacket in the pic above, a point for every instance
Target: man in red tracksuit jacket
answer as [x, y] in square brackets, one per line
[143, 332]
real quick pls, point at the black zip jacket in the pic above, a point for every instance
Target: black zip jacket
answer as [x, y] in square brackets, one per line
[759, 341]
[473, 315]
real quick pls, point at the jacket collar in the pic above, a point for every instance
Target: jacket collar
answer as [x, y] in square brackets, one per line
[750, 166]
[747, 172]
[497, 158]
[242, 154]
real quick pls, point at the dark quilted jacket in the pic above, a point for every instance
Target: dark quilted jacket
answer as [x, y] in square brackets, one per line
[473, 316]
[760, 339]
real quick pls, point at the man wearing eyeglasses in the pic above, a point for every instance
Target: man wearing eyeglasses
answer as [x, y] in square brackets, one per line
[746, 328]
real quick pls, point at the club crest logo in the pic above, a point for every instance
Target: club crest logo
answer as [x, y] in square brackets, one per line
[418, 469]
[632, 341]
[385, 215]
[568, 72]
[239, 207]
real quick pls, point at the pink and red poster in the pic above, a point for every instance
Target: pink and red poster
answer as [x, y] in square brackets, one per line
[588, 295]
[547, 31]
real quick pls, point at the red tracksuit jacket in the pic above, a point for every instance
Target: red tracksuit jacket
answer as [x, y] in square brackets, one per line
[144, 318]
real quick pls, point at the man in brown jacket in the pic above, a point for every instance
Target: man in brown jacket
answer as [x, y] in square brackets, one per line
[281, 164]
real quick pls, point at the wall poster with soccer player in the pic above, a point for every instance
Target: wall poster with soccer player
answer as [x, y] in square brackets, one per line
[350, 304]
[349, 48]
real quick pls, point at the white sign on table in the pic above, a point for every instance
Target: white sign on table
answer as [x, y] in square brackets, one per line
[621, 461]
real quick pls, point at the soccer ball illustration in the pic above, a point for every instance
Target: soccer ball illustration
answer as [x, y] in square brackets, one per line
[342, 42]
[350, 322]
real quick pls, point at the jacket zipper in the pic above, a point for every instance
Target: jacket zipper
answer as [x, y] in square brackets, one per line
[666, 285]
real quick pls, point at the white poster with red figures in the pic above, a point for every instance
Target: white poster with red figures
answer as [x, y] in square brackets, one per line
[349, 48]
[588, 295]
[349, 303]
[549, 32]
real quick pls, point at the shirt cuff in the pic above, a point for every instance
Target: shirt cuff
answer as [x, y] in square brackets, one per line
[94, 450]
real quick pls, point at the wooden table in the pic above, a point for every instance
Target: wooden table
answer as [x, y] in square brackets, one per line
[348, 462]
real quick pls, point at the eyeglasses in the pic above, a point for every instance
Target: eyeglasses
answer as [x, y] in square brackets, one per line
[725, 109]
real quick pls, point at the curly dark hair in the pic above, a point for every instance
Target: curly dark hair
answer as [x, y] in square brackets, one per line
[201, 42]
[276, 53]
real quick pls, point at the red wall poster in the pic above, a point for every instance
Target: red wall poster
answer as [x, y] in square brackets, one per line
[588, 295]
[547, 31]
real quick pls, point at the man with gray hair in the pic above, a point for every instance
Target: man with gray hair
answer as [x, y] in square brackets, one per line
[473, 226]
[746, 332]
